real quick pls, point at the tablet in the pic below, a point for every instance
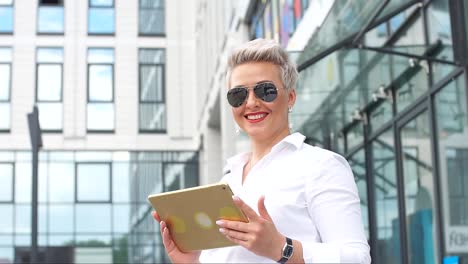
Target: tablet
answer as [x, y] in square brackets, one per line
[191, 214]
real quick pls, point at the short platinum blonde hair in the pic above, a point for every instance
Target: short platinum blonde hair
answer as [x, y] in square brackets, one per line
[263, 50]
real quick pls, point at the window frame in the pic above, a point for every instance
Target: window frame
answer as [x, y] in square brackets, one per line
[143, 34]
[36, 90]
[91, 6]
[39, 5]
[163, 101]
[109, 165]
[88, 82]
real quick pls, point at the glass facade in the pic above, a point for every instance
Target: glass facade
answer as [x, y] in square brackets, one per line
[277, 19]
[394, 103]
[92, 205]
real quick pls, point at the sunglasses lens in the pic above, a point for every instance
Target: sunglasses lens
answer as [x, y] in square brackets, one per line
[266, 91]
[236, 96]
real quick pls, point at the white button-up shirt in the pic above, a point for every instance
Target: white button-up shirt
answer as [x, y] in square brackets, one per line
[311, 196]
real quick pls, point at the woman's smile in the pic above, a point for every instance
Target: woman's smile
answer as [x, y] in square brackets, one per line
[256, 117]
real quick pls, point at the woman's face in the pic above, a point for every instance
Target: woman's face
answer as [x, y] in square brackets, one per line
[259, 119]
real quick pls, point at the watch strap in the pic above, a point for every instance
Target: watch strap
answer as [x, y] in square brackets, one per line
[287, 251]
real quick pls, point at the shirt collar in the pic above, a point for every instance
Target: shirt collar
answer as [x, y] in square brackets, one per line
[296, 140]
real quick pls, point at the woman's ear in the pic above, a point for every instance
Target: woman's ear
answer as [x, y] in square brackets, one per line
[291, 97]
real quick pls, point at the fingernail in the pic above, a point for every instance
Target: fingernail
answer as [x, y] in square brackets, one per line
[222, 230]
[235, 197]
[219, 222]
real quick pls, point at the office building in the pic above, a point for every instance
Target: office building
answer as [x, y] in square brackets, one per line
[384, 84]
[114, 85]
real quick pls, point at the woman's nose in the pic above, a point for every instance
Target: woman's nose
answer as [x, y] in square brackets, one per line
[252, 100]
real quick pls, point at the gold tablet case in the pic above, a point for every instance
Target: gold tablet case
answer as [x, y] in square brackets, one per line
[191, 214]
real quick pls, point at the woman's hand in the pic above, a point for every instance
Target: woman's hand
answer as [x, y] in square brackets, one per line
[174, 253]
[259, 235]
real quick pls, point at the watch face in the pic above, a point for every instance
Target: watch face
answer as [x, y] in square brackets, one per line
[287, 253]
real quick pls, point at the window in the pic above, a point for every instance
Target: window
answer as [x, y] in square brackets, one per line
[152, 17]
[6, 16]
[7, 180]
[49, 72]
[93, 182]
[100, 111]
[101, 17]
[5, 87]
[152, 113]
[50, 17]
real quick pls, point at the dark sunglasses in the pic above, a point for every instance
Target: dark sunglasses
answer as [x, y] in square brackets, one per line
[265, 91]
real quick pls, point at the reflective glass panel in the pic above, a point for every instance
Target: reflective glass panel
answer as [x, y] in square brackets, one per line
[452, 127]
[60, 240]
[6, 19]
[5, 82]
[50, 19]
[101, 2]
[61, 218]
[61, 182]
[23, 182]
[419, 190]
[121, 182]
[50, 55]
[101, 21]
[152, 17]
[152, 117]
[43, 181]
[98, 55]
[152, 83]
[22, 219]
[101, 83]
[49, 82]
[94, 218]
[6, 221]
[121, 218]
[22, 240]
[358, 165]
[6, 178]
[93, 182]
[100, 116]
[7, 253]
[380, 115]
[355, 135]
[5, 116]
[42, 219]
[386, 199]
[50, 115]
[438, 16]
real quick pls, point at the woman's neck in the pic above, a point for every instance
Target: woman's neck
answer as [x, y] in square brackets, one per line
[260, 148]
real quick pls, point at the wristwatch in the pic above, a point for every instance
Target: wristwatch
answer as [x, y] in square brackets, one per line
[287, 251]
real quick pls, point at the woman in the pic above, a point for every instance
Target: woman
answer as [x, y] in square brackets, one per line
[301, 201]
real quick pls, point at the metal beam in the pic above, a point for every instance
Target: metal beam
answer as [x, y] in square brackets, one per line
[378, 11]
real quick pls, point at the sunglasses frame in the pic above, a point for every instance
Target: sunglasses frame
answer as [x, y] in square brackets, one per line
[252, 87]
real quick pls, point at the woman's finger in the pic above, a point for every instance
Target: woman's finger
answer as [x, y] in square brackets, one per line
[249, 212]
[234, 234]
[156, 216]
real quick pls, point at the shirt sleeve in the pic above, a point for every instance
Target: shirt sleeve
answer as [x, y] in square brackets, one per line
[334, 206]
